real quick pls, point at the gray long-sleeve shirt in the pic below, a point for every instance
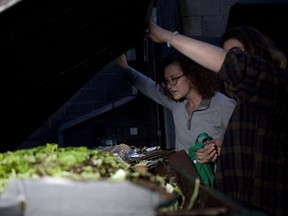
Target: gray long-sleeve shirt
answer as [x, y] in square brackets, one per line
[211, 116]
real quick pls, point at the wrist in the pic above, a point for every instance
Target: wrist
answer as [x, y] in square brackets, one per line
[171, 38]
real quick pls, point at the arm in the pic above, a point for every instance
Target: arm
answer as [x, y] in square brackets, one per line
[122, 61]
[144, 84]
[205, 54]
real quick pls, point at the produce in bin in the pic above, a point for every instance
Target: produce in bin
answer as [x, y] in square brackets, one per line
[79, 164]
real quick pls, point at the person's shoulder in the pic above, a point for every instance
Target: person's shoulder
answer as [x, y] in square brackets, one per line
[223, 104]
[221, 98]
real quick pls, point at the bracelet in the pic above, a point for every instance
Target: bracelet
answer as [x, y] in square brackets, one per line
[171, 38]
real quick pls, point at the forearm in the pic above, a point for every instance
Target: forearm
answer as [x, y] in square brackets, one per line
[205, 54]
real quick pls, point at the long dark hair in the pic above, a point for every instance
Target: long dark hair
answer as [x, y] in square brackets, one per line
[256, 43]
[205, 82]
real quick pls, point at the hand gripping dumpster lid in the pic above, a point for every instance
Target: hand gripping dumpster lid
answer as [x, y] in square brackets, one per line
[50, 49]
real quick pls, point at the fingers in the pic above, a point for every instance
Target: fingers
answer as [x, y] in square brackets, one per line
[214, 159]
[207, 154]
[122, 61]
[217, 143]
[155, 32]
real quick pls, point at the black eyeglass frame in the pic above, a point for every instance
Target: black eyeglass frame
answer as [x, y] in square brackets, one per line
[173, 81]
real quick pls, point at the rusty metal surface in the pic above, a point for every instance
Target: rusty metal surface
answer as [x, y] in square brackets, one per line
[209, 202]
[180, 160]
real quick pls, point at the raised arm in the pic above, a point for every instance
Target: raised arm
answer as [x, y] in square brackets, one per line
[205, 54]
[122, 61]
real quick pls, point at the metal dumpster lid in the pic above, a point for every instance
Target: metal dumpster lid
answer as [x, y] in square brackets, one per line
[50, 49]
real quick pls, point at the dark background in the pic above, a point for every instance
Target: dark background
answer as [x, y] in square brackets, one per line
[50, 49]
[270, 18]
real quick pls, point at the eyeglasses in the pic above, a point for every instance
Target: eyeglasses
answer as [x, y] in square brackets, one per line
[173, 81]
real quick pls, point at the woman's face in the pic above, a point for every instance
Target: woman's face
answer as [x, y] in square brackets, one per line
[177, 83]
[231, 43]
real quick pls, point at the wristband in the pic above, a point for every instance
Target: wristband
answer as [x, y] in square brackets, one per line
[171, 38]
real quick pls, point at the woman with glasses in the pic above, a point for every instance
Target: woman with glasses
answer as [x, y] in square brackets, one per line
[251, 168]
[191, 93]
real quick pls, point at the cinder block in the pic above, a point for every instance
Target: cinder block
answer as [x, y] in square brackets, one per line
[200, 7]
[225, 9]
[192, 26]
[213, 26]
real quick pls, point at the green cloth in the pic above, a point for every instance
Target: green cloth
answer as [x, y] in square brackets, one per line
[205, 170]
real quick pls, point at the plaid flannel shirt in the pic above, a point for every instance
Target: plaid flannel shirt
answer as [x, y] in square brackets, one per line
[254, 157]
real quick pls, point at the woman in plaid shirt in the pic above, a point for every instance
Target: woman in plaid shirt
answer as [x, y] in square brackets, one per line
[253, 160]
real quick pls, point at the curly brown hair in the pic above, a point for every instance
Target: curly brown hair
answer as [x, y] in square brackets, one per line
[205, 82]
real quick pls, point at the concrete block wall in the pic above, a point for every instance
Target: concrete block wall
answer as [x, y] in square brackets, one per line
[207, 19]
